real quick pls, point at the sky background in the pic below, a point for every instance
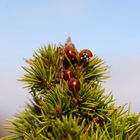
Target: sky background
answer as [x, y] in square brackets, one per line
[109, 28]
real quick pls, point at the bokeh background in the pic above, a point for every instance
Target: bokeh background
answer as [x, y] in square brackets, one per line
[110, 28]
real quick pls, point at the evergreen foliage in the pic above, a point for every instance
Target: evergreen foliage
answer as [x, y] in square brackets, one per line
[57, 113]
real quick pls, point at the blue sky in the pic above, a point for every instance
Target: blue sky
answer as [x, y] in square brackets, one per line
[107, 27]
[110, 28]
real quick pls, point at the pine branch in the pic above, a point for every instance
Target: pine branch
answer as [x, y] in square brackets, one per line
[58, 112]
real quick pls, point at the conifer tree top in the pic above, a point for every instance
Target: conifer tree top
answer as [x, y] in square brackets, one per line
[68, 100]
